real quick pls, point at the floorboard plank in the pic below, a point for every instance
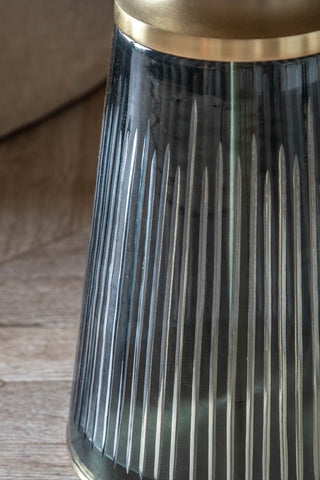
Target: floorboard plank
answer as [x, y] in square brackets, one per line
[44, 287]
[36, 354]
[36, 462]
[33, 413]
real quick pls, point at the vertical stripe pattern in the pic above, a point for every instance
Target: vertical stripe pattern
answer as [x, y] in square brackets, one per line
[159, 387]
[282, 315]
[314, 282]
[214, 344]
[267, 235]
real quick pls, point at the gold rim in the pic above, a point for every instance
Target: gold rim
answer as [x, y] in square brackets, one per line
[80, 469]
[216, 49]
[79, 472]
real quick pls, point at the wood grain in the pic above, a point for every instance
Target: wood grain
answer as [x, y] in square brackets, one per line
[36, 361]
[36, 462]
[35, 354]
[44, 287]
[34, 413]
[47, 178]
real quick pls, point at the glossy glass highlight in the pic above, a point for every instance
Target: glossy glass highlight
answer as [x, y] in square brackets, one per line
[198, 354]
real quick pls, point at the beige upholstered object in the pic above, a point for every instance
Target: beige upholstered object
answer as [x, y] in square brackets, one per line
[51, 52]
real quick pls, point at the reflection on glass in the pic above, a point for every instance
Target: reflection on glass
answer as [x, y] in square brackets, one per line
[198, 354]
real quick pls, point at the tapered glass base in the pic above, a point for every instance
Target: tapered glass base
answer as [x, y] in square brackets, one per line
[199, 348]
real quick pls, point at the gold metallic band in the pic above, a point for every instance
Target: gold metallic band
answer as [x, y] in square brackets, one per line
[216, 49]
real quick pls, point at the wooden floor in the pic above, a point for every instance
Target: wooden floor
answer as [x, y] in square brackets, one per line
[46, 191]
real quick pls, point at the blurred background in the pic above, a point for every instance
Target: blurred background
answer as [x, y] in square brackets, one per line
[53, 68]
[54, 59]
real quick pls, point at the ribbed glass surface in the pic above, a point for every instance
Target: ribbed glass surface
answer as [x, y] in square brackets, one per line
[198, 354]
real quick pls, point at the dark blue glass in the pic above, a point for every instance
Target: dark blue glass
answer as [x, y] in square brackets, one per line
[198, 354]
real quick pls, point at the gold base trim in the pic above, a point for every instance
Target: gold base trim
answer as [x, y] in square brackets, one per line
[80, 469]
[79, 472]
[217, 49]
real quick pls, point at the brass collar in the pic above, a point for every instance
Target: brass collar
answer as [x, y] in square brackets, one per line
[225, 30]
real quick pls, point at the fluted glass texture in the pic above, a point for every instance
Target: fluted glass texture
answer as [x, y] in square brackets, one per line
[198, 354]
